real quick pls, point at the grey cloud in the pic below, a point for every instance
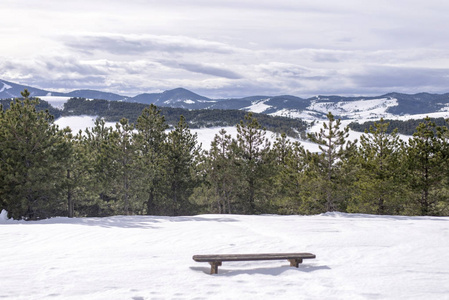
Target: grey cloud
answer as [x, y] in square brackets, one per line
[64, 65]
[401, 77]
[325, 57]
[56, 73]
[203, 69]
[130, 46]
[87, 82]
[241, 88]
[52, 66]
[210, 70]
[284, 72]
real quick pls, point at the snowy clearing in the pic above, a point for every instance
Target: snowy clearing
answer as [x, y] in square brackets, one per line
[77, 123]
[150, 257]
[205, 135]
[55, 101]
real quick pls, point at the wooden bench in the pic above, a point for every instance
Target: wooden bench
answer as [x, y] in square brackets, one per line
[215, 260]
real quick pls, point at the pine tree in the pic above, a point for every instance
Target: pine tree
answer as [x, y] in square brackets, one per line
[334, 147]
[79, 183]
[150, 141]
[251, 150]
[287, 166]
[428, 165]
[182, 152]
[125, 156]
[222, 174]
[380, 184]
[101, 152]
[32, 161]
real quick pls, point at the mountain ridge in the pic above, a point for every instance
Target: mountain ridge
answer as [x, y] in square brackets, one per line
[344, 107]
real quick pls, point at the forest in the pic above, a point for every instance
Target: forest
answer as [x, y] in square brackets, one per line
[142, 168]
[114, 111]
[407, 127]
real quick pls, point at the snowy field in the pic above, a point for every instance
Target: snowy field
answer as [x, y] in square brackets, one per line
[205, 135]
[149, 257]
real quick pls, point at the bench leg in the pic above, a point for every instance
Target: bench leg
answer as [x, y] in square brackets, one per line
[214, 266]
[295, 262]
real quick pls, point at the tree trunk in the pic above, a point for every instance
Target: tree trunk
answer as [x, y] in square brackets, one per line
[70, 204]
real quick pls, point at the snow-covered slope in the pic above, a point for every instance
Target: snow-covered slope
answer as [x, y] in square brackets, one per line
[4, 86]
[55, 101]
[205, 136]
[360, 109]
[77, 123]
[148, 257]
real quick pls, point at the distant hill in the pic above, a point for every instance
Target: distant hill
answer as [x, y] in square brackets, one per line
[12, 90]
[92, 94]
[179, 97]
[358, 109]
[113, 111]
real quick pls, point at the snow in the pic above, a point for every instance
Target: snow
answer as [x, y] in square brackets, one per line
[3, 216]
[77, 123]
[360, 109]
[258, 106]
[55, 101]
[291, 113]
[207, 135]
[188, 101]
[150, 257]
[5, 87]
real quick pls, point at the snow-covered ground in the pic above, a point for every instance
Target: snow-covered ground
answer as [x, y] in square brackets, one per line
[150, 257]
[77, 123]
[205, 135]
[55, 101]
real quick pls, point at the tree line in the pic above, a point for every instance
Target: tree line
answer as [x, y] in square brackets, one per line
[114, 111]
[407, 127]
[144, 168]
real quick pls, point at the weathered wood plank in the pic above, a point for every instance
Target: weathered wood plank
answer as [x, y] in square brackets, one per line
[244, 257]
[215, 260]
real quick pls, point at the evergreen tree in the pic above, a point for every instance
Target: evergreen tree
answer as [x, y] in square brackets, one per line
[380, 178]
[182, 152]
[32, 161]
[334, 147]
[222, 174]
[251, 150]
[428, 165]
[79, 183]
[100, 150]
[150, 141]
[125, 157]
[287, 169]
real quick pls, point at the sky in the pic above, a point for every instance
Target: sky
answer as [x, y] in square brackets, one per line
[224, 49]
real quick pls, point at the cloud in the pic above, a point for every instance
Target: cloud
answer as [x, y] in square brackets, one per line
[54, 73]
[200, 68]
[132, 45]
[229, 48]
[388, 77]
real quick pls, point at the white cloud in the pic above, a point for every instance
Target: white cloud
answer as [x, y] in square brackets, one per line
[226, 48]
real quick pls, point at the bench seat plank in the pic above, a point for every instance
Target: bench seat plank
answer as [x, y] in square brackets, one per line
[244, 257]
[216, 260]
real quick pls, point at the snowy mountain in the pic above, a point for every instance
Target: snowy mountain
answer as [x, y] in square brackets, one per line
[389, 106]
[12, 90]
